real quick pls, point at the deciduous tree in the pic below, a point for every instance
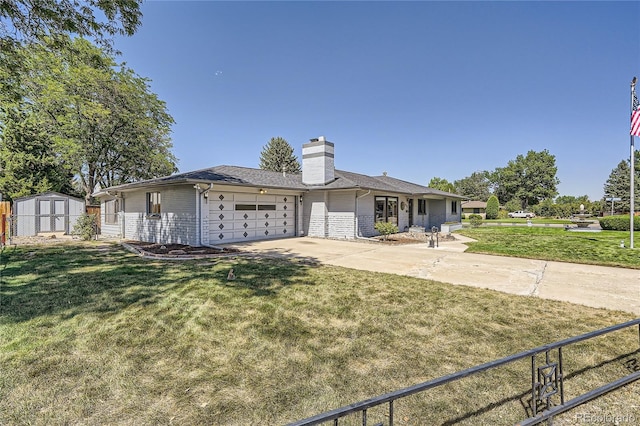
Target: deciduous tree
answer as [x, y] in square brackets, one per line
[100, 118]
[277, 155]
[441, 184]
[528, 179]
[474, 187]
[29, 21]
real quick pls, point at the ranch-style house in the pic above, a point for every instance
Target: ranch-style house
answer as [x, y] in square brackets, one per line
[228, 204]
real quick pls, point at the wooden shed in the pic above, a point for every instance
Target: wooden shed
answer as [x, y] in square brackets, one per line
[46, 213]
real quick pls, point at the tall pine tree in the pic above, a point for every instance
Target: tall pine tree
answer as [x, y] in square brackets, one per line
[278, 156]
[618, 184]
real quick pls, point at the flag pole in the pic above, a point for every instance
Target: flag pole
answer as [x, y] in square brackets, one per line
[632, 205]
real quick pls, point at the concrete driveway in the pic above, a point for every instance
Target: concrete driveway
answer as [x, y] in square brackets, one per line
[595, 286]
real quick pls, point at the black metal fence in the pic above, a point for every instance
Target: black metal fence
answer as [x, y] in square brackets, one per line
[547, 383]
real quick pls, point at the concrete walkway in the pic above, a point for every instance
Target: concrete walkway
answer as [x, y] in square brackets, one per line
[595, 286]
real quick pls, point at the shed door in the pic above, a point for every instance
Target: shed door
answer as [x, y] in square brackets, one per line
[249, 217]
[52, 215]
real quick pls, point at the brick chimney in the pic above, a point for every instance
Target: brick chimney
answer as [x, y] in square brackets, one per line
[317, 162]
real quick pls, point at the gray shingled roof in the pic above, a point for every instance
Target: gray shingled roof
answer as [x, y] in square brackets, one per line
[245, 176]
[233, 175]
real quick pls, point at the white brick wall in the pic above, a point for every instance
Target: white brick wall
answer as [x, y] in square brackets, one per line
[341, 225]
[177, 221]
[318, 162]
[169, 228]
[365, 226]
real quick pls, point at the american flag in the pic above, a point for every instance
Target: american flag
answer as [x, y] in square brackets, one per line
[635, 115]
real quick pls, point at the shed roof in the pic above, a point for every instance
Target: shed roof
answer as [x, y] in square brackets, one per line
[47, 194]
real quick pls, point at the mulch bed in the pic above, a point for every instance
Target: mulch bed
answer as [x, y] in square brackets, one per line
[178, 250]
[411, 238]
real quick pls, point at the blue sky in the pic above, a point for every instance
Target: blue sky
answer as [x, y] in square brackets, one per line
[416, 89]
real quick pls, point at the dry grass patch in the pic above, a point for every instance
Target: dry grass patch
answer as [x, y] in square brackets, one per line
[94, 337]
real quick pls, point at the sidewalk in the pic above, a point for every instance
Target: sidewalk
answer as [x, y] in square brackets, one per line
[595, 286]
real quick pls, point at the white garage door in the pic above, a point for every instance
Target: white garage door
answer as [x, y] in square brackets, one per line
[237, 217]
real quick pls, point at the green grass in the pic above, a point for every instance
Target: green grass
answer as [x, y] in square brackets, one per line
[91, 334]
[535, 220]
[595, 248]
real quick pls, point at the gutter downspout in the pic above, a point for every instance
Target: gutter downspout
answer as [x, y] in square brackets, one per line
[199, 192]
[357, 233]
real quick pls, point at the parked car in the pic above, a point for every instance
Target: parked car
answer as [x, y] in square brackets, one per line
[522, 214]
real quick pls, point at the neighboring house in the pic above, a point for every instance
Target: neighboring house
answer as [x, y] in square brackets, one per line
[226, 204]
[474, 207]
[49, 212]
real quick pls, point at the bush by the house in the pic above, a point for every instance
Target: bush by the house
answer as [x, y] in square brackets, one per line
[85, 227]
[385, 228]
[619, 223]
[493, 205]
[475, 220]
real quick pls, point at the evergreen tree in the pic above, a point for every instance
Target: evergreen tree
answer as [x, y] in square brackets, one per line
[28, 162]
[617, 184]
[278, 156]
[492, 207]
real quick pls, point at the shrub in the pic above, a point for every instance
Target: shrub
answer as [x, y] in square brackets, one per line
[385, 228]
[503, 214]
[475, 219]
[493, 205]
[85, 227]
[619, 223]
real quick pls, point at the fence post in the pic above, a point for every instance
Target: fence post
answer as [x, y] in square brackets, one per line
[4, 229]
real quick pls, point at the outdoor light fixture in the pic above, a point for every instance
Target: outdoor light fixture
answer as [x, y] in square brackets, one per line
[263, 191]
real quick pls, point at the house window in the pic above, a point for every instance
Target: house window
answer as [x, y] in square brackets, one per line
[386, 209]
[476, 211]
[454, 207]
[245, 206]
[422, 207]
[153, 204]
[111, 208]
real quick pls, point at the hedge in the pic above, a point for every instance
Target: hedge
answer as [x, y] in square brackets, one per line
[475, 219]
[619, 223]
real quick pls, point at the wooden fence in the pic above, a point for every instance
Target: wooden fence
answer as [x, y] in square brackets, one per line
[5, 214]
[96, 211]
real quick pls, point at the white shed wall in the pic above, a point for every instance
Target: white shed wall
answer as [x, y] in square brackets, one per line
[25, 217]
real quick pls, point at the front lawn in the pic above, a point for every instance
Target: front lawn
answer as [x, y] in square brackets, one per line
[596, 248]
[91, 334]
[535, 220]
